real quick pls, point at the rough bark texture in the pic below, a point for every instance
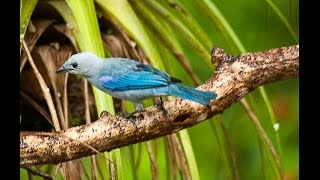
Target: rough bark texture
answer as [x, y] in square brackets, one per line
[233, 78]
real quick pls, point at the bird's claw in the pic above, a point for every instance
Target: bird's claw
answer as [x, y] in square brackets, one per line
[130, 116]
[161, 106]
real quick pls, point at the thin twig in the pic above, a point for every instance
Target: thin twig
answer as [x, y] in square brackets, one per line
[60, 113]
[71, 169]
[171, 160]
[86, 101]
[112, 167]
[83, 169]
[23, 62]
[65, 102]
[153, 162]
[168, 161]
[44, 89]
[38, 173]
[59, 108]
[176, 163]
[94, 169]
[36, 106]
[92, 148]
[56, 170]
[181, 157]
[88, 121]
[62, 170]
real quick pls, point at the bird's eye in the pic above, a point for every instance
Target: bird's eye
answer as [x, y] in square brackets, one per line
[74, 65]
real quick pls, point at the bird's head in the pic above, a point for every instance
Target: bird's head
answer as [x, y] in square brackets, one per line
[83, 64]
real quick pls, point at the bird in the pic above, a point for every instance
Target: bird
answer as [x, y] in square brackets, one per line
[130, 80]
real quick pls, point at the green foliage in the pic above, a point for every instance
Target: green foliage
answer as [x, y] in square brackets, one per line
[187, 147]
[122, 12]
[89, 40]
[26, 9]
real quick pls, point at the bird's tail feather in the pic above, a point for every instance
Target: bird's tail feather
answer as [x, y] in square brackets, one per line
[192, 94]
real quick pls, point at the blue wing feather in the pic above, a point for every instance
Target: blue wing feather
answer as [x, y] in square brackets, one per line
[140, 77]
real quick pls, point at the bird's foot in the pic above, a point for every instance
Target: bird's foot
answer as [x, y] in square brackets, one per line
[161, 106]
[130, 116]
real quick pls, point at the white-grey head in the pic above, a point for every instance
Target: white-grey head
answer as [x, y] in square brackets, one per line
[84, 63]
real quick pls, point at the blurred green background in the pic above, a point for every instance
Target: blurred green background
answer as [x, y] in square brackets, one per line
[255, 25]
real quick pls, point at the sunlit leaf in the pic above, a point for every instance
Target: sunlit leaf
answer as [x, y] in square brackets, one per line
[122, 13]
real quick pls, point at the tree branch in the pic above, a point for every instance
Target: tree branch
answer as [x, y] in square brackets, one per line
[233, 78]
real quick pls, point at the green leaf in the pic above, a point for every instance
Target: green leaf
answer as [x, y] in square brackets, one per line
[89, 39]
[222, 24]
[122, 13]
[191, 159]
[65, 12]
[192, 24]
[127, 162]
[284, 20]
[164, 14]
[87, 33]
[162, 33]
[26, 9]
[23, 174]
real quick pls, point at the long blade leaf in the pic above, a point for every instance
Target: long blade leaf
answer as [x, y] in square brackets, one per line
[123, 14]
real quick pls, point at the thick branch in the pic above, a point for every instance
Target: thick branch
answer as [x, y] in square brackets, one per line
[233, 78]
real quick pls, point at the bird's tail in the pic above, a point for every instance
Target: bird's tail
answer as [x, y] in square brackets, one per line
[192, 94]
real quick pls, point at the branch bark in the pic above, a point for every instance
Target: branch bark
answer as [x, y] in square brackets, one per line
[233, 78]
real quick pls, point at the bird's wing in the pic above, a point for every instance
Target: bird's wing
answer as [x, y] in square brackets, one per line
[139, 77]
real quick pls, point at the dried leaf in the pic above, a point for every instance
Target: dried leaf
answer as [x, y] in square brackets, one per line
[53, 58]
[32, 35]
[29, 83]
[62, 28]
[71, 170]
[114, 45]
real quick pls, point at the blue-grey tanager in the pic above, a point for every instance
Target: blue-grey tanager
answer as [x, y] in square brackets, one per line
[130, 80]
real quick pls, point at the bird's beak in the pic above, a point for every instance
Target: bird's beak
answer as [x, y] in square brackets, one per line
[61, 69]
